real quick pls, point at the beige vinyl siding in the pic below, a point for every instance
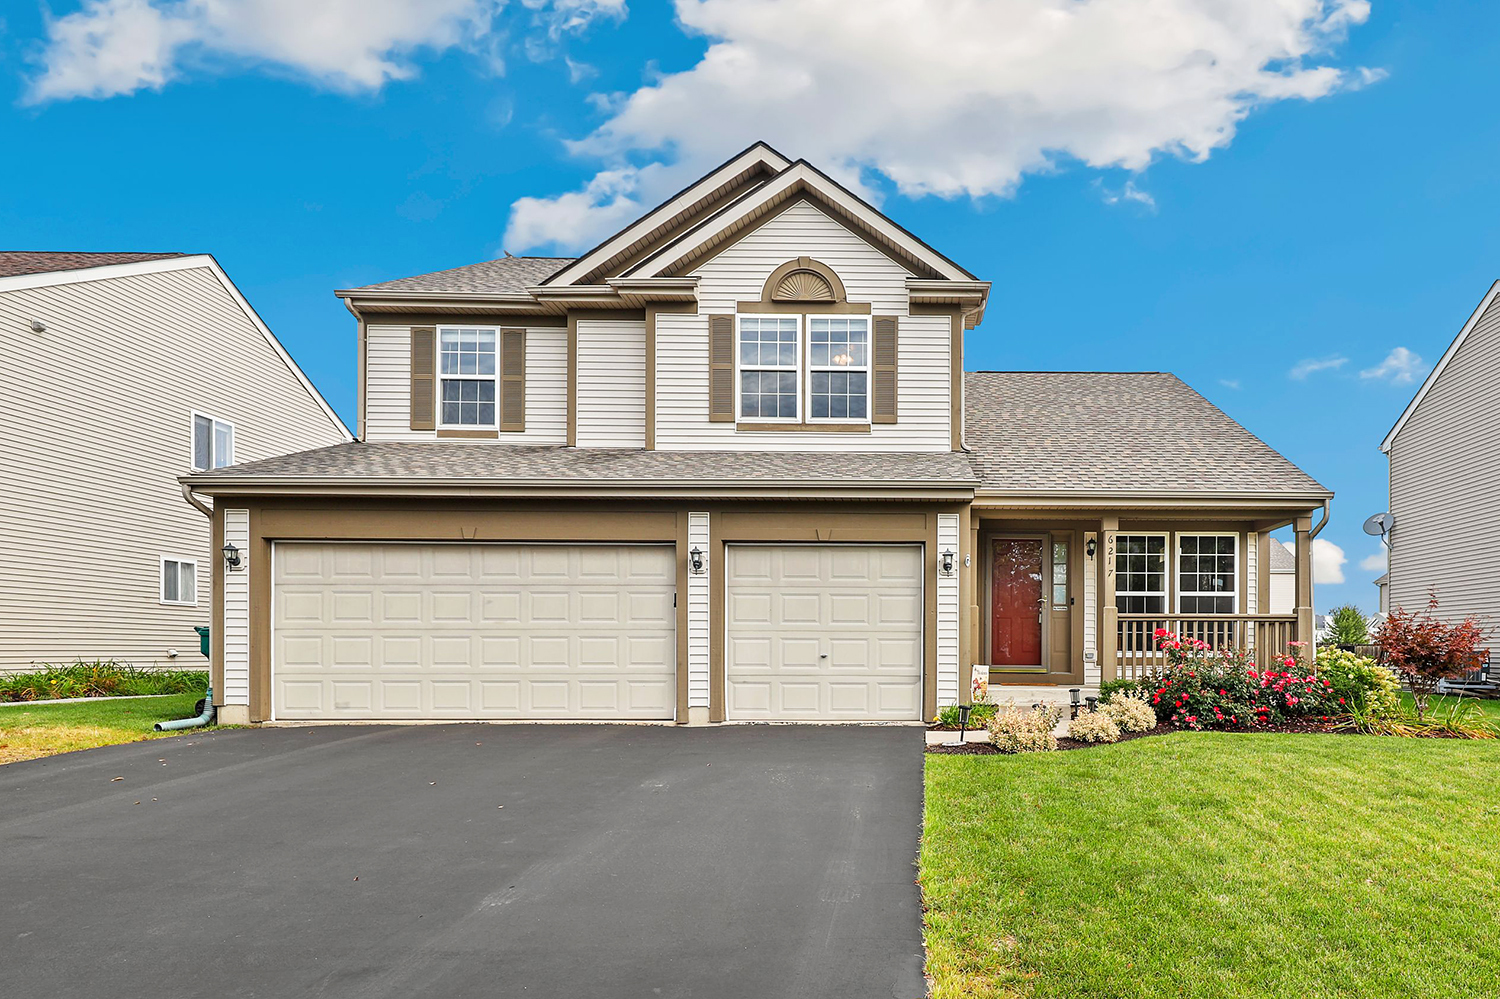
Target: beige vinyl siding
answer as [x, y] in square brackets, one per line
[698, 614]
[739, 275]
[611, 383]
[95, 427]
[1445, 486]
[387, 394]
[1092, 674]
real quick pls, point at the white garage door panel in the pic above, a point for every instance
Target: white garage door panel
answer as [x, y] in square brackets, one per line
[474, 631]
[824, 632]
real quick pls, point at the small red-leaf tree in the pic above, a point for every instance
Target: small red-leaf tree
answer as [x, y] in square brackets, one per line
[1426, 650]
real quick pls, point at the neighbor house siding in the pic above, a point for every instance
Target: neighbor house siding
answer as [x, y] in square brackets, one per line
[611, 383]
[1445, 486]
[387, 396]
[95, 427]
[948, 681]
[236, 623]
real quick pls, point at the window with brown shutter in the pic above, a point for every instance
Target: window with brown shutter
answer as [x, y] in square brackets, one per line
[883, 401]
[513, 381]
[721, 369]
[423, 376]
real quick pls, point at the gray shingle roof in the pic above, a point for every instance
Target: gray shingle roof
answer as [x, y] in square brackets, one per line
[16, 262]
[1282, 558]
[505, 276]
[514, 463]
[1033, 431]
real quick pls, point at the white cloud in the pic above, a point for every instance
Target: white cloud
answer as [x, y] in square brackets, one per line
[1328, 561]
[1230, 383]
[112, 47]
[1310, 366]
[956, 98]
[1129, 193]
[1374, 563]
[1401, 366]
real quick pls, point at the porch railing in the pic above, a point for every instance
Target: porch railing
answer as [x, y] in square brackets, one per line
[1264, 635]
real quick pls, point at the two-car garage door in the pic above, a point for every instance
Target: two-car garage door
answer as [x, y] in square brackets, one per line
[556, 631]
[404, 631]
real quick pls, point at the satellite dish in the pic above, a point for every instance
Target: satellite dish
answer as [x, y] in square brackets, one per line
[1380, 525]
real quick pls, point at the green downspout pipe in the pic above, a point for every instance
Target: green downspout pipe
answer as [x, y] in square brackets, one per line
[205, 718]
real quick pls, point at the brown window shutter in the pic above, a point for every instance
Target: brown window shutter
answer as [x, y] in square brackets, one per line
[883, 396]
[423, 376]
[721, 369]
[513, 380]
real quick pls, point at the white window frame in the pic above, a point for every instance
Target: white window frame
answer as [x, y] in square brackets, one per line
[1169, 550]
[797, 369]
[1180, 592]
[214, 423]
[161, 580]
[807, 392]
[441, 378]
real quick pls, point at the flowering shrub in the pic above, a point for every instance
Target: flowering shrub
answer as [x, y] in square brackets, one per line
[1094, 726]
[1109, 690]
[1016, 730]
[1358, 683]
[1204, 688]
[1130, 713]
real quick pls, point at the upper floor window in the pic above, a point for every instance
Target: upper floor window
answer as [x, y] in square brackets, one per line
[839, 368]
[213, 443]
[769, 374]
[832, 386]
[466, 365]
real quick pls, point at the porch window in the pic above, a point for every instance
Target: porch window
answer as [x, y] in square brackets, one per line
[1207, 573]
[1207, 583]
[1141, 573]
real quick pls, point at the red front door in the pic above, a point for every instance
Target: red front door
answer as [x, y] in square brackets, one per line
[1016, 602]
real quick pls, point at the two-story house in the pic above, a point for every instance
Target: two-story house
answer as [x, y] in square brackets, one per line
[728, 466]
[121, 372]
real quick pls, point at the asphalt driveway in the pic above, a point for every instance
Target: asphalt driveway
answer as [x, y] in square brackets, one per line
[379, 861]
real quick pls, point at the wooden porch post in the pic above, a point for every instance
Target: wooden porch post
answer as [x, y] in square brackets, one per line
[1108, 613]
[1304, 579]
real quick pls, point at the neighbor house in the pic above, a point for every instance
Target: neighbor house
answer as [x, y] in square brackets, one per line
[728, 466]
[1444, 455]
[122, 372]
[1283, 581]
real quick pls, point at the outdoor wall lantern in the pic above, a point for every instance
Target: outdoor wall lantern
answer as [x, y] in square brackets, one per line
[1091, 547]
[945, 562]
[695, 560]
[231, 557]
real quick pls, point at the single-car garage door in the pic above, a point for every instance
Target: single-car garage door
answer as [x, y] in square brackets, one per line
[830, 632]
[473, 631]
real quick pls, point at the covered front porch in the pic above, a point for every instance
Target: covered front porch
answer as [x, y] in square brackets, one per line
[1067, 595]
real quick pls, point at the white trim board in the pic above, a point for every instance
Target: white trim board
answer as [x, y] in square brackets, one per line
[1453, 348]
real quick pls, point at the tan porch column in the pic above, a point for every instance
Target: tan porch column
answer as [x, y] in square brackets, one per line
[1109, 622]
[1304, 607]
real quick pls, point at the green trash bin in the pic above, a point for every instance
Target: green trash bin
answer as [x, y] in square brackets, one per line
[202, 630]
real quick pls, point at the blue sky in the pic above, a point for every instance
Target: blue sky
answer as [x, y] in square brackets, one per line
[1227, 209]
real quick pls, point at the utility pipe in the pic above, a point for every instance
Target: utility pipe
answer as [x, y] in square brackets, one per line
[206, 717]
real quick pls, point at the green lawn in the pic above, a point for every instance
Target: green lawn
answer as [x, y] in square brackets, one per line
[1212, 864]
[27, 732]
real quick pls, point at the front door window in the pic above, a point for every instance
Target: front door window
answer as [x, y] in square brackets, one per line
[1016, 602]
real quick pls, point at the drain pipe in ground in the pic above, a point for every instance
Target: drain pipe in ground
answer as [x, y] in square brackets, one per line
[205, 717]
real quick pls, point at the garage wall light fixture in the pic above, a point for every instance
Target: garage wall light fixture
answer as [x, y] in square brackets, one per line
[1091, 547]
[695, 560]
[231, 557]
[945, 562]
